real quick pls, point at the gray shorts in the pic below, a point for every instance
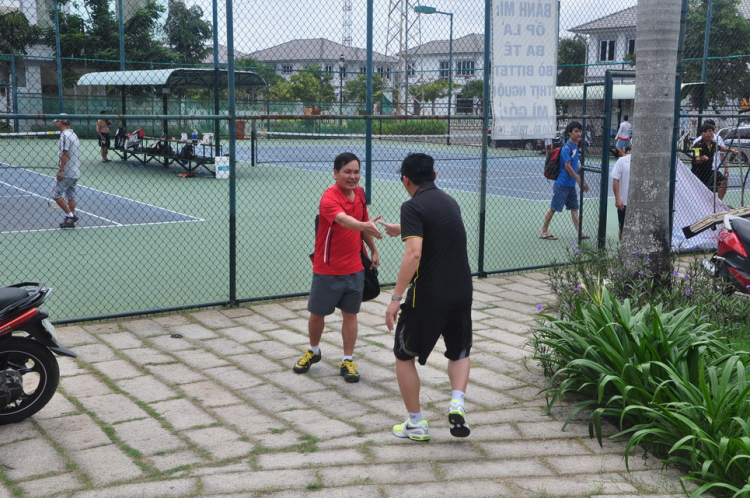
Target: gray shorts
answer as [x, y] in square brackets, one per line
[67, 187]
[329, 292]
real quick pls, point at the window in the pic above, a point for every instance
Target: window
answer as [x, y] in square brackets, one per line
[445, 70]
[362, 69]
[286, 69]
[380, 71]
[631, 46]
[465, 68]
[410, 69]
[607, 50]
[329, 69]
[388, 73]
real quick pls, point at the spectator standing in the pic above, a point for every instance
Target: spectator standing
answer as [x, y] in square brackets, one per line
[338, 274]
[102, 130]
[620, 187]
[623, 136]
[564, 188]
[69, 167]
[438, 300]
[705, 165]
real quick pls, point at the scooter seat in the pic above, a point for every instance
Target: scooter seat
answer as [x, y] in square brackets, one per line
[11, 295]
[741, 226]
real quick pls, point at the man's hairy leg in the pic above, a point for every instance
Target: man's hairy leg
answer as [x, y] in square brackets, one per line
[408, 384]
[349, 332]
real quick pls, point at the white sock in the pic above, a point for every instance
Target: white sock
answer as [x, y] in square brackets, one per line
[415, 418]
[315, 349]
[70, 215]
[458, 396]
[350, 358]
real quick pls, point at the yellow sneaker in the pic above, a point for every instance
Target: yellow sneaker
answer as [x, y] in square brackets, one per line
[349, 371]
[304, 363]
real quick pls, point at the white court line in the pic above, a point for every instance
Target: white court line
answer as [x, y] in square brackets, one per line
[98, 226]
[113, 195]
[34, 194]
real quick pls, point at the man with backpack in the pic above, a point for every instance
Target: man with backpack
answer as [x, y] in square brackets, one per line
[564, 188]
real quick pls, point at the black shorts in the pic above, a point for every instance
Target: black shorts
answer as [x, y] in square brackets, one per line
[418, 331]
[104, 142]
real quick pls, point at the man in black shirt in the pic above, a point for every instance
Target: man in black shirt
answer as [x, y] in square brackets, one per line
[438, 302]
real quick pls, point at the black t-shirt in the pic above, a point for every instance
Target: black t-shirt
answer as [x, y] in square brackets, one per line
[704, 169]
[443, 278]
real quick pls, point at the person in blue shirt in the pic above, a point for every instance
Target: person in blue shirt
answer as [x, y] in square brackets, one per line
[564, 188]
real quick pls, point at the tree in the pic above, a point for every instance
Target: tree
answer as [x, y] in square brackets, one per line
[269, 74]
[571, 55]
[312, 86]
[187, 32]
[728, 77]
[431, 91]
[648, 218]
[356, 90]
[17, 35]
[473, 89]
[97, 38]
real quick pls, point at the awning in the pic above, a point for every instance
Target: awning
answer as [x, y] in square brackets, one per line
[172, 79]
[619, 92]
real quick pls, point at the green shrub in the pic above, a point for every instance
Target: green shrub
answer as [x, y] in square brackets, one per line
[686, 284]
[671, 382]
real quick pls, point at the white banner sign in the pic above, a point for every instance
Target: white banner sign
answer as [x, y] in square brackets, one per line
[524, 69]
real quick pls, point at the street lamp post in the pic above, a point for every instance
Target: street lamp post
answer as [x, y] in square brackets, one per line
[342, 62]
[423, 9]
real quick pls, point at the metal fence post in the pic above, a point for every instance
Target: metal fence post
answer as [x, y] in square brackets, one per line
[485, 125]
[232, 160]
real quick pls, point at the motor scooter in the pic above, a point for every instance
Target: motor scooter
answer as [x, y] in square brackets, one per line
[29, 373]
[730, 264]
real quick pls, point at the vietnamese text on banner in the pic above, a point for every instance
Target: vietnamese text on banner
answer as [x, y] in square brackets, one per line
[524, 69]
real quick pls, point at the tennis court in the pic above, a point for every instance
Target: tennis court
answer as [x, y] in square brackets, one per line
[151, 256]
[26, 194]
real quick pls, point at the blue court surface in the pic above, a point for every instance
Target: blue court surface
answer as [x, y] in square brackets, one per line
[459, 167]
[26, 205]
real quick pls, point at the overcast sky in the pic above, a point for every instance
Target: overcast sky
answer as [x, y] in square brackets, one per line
[259, 25]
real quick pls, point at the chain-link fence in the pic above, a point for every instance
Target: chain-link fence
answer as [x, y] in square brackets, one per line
[206, 188]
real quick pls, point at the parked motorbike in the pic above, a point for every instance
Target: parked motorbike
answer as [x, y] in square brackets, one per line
[29, 373]
[730, 264]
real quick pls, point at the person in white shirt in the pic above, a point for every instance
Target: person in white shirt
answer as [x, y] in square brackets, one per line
[620, 186]
[623, 136]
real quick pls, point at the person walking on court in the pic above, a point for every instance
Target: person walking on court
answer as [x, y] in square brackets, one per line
[564, 189]
[623, 136]
[69, 167]
[338, 274]
[620, 187]
[435, 267]
[102, 130]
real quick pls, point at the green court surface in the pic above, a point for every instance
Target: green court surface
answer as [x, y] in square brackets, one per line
[100, 270]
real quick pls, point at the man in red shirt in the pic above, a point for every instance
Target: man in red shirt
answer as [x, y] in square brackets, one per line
[338, 274]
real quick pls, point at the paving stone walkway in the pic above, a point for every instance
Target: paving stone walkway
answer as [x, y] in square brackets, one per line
[218, 412]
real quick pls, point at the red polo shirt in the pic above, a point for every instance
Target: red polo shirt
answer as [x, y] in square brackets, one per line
[337, 248]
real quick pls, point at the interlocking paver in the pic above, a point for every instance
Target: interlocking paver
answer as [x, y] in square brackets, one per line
[76, 432]
[32, 457]
[148, 436]
[106, 464]
[113, 408]
[182, 414]
[221, 442]
[224, 416]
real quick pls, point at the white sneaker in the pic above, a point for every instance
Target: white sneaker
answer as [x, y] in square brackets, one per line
[418, 432]
[457, 419]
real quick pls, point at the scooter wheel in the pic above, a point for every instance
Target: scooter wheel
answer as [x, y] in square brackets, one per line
[722, 283]
[39, 371]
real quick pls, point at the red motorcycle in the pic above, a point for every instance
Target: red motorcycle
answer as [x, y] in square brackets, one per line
[29, 373]
[730, 264]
